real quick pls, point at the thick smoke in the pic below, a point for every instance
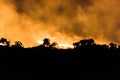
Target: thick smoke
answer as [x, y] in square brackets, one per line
[63, 21]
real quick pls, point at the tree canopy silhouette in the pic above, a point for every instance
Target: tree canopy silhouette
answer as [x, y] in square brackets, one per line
[54, 45]
[86, 42]
[18, 44]
[46, 42]
[5, 42]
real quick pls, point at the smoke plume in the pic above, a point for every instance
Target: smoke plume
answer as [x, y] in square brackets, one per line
[63, 21]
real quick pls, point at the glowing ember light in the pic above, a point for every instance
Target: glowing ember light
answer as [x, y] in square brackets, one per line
[65, 46]
[62, 21]
[2, 44]
[60, 45]
[40, 42]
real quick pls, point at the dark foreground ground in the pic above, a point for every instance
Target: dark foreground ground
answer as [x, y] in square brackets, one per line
[43, 59]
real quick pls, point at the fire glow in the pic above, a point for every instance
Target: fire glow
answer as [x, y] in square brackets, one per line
[62, 21]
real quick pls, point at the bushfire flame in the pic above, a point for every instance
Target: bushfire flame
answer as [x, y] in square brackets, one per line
[62, 21]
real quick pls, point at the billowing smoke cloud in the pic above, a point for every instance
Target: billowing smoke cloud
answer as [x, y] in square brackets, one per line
[63, 21]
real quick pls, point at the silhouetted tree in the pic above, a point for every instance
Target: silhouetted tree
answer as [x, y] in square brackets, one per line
[76, 44]
[54, 44]
[18, 44]
[86, 42]
[119, 47]
[46, 42]
[5, 42]
[112, 46]
[8, 43]
[83, 42]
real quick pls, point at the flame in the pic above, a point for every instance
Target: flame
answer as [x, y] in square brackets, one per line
[60, 40]
[65, 46]
[62, 21]
[60, 45]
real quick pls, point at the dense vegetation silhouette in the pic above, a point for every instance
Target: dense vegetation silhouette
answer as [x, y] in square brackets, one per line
[85, 56]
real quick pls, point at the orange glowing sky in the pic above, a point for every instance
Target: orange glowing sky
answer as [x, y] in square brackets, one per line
[62, 21]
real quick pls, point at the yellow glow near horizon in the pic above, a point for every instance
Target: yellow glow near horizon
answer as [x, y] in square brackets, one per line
[60, 45]
[65, 46]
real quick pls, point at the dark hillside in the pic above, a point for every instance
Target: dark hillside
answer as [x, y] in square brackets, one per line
[82, 58]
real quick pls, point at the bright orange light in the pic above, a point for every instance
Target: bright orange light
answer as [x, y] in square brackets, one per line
[65, 46]
[60, 45]
[62, 21]
[40, 42]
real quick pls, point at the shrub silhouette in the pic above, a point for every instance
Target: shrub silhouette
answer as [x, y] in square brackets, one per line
[76, 44]
[46, 42]
[86, 42]
[17, 44]
[5, 42]
[54, 45]
[113, 45]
